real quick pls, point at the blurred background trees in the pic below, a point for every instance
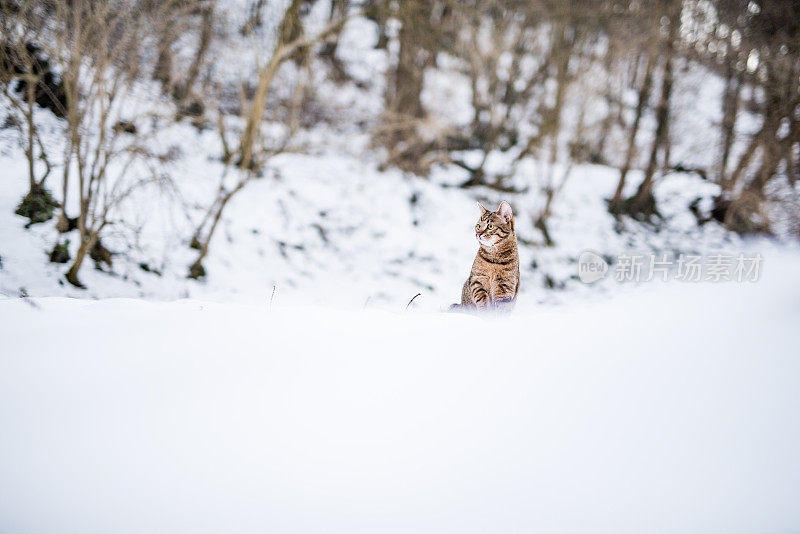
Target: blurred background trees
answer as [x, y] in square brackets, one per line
[551, 84]
[528, 61]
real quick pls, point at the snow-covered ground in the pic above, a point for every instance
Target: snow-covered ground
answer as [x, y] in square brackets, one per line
[325, 225]
[670, 410]
[294, 391]
[329, 228]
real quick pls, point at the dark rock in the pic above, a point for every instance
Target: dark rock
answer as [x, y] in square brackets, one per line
[125, 127]
[66, 224]
[60, 253]
[194, 108]
[197, 271]
[146, 268]
[100, 254]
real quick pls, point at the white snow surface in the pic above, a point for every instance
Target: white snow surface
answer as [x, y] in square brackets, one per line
[330, 228]
[290, 393]
[326, 225]
[672, 409]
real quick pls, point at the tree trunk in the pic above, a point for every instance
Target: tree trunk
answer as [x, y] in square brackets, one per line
[206, 34]
[337, 12]
[405, 99]
[162, 71]
[399, 131]
[745, 159]
[730, 110]
[641, 104]
[265, 77]
[376, 11]
[563, 55]
[63, 224]
[87, 242]
[597, 155]
[30, 85]
[256, 113]
[598, 152]
[771, 156]
[196, 270]
[641, 202]
[254, 20]
[745, 212]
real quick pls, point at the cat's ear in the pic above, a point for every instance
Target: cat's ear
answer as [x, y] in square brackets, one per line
[504, 211]
[483, 210]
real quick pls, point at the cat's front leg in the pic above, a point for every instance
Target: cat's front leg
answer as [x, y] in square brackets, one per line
[479, 294]
[505, 297]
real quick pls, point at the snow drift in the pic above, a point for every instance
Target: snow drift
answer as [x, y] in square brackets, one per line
[643, 413]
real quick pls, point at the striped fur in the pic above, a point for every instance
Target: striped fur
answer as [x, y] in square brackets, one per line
[493, 283]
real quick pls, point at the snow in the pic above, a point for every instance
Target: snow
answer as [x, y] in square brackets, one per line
[329, 227]
[291, 391]
[673, 409]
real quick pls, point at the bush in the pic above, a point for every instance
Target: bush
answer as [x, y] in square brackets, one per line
[37, 205]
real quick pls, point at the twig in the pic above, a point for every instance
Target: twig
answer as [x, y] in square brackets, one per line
[272, 296]
[23, 296]
[412, 300]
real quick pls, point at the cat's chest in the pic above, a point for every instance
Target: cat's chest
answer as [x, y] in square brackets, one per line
[490, 279]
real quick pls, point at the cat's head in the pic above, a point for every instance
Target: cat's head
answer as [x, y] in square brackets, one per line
[495, 226]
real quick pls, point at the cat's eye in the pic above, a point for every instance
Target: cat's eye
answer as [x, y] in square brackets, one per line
[490, 226]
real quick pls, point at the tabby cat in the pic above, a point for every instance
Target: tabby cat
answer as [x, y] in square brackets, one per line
[493, 283]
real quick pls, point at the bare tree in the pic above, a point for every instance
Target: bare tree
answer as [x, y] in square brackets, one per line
[206, 33]
[329, 49]
[100, 45]
[243, 163]
[770, 44]
[731, 100]
[29, 84]
[187, 18]
[403, 116]
[646, 54]
[643, 203]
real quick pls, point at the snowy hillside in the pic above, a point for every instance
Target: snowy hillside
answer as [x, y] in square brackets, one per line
[327, 223]
[670, 411]
[330, 228]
